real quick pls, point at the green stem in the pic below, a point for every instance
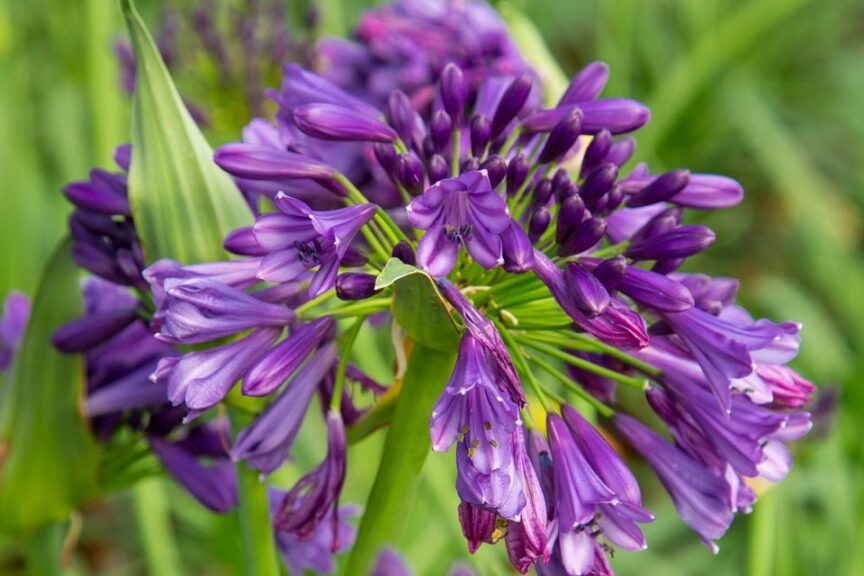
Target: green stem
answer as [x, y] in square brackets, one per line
[259, 545]
[521, 365]
[573, 387]
[363, 308]
[347, 345]
[43, 551]
[313, 304]
[584, 364]
[582, 340]
[154, 528]
[457, 152]
[405, 451]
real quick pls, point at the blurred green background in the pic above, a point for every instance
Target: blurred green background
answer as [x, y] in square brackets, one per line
[767, 91]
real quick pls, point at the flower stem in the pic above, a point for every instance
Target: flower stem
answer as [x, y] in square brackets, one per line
[381, 217]
[347, 344]
[363, 308]
[154, 527]
[314, 303]
[521, 365]
[583, 364]
[457, 152]
[588, 343]
[573, 387]
[259, 544]
[405, 451]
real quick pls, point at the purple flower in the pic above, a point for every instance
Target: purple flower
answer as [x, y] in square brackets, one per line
[788, 388]
[478, 525]
[723, 349]
[163, 275]
[527, 539]
[265, 444]
[298, 239]
[484, 331]
[201, 380]
[458, 212]
[405, 45]
[316, 495]
[16, 313]
[201, 310]
[700, 494]
[282, 360]
[472, 412]
[315, 552]
[389, 563]
[617, 325]
[215, 487]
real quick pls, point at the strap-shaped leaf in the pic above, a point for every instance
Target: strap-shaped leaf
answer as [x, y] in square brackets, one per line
[48, 458]
[183, 204]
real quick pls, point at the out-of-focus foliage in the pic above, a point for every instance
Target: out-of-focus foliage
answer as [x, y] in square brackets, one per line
[766, 91]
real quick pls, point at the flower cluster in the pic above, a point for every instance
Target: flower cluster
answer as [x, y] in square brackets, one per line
[425, 137]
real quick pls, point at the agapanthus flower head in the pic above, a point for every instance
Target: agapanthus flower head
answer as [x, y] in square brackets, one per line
[16, 313]
[408, 44]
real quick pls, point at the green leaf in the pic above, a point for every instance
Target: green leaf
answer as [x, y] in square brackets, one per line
[534, 49]
[418, 306]
[182, 202]
[48, 457]
[405, 450]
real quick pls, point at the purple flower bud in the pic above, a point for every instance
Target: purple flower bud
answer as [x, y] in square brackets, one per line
[265, 163]
[704, 191]
[681, 242]
[539, 223]
[242, 241]
[478, 525]
[496, 168]
[517, 249]
[390, 563]
[355, 286]
[333, 122]
[571, 214]
[123, 156]
[481, 132]
[469, 165]
[586, 235]
[93, 329]
[617, 115]
[280, 362]
[517, 172]
[385, 154]
[441, 129]
[561, 138]
[404, 252]
[621, 151]
[542, 192]
[598, 182]
[453, 91]
[409, 171]
[661, 189]
[655, 290]
[16, 313]
[596, 151]
[404, 119]
[214, 487]
[665, 221]
[511, 103]
[316, 494]
[587, 84]
[560, 184]
[266, 443]
[104, 193]
[202, 379]
[610, 272]
[438, 169]
[585, 290]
